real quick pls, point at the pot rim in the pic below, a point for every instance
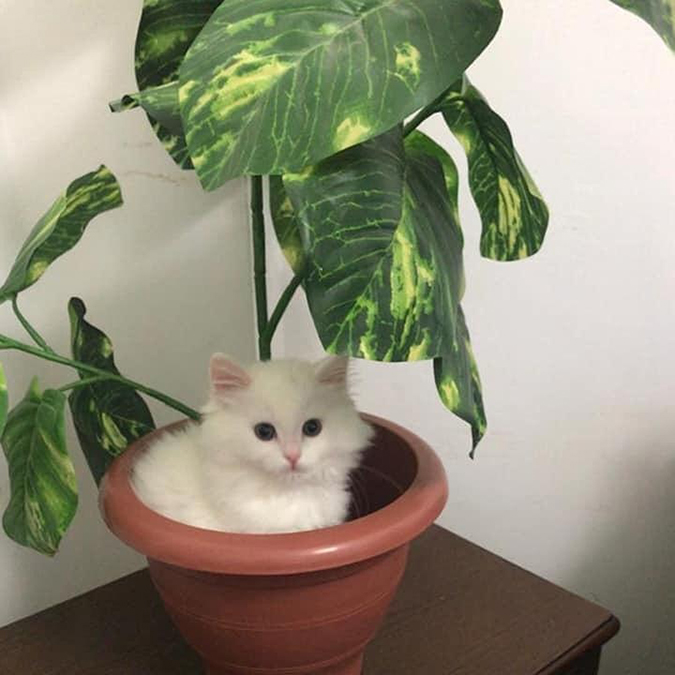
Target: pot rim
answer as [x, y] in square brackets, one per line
[176, 543]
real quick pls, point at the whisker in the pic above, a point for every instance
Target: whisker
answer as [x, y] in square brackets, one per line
[359, 493]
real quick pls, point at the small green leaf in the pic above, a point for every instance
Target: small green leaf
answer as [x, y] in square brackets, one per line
[108, 416]
[161, 104]
[458, 382]
[384, 251]
[62, 227]
[43, 489]
[512, 210]
[4, 399]
[166, 30]
[270, 87]
[659, 14]
[286, 225]
[419, 144]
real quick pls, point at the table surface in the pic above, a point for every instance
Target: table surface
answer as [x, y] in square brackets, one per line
[460, 611]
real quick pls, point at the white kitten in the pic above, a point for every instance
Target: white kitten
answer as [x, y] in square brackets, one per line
[272, 453]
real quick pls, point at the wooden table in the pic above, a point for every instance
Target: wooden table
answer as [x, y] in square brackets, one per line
[460, 611]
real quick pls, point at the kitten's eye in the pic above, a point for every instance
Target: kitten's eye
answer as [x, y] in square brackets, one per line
[311, 427]
[265, 431]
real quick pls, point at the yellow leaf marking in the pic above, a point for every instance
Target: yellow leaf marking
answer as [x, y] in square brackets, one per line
[351, 131]
[408, 64]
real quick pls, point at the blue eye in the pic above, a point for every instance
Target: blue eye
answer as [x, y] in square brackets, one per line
[312, 427]
[265, 431]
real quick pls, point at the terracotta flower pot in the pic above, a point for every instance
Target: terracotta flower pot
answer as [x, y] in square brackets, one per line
[288, 604]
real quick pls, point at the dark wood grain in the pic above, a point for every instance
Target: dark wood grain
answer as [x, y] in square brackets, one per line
[460, 611]
[464, 611]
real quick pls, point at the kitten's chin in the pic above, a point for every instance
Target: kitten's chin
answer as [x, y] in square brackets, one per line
[300, 474]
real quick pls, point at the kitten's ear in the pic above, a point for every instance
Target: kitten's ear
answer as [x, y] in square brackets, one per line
[333, 370]
[226, 376]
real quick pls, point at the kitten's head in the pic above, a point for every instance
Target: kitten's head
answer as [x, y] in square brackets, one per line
[286, 417]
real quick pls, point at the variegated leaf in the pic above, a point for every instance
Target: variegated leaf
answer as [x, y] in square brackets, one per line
[512, 210]
[267, 88]
[174, 144]
[458, 382]
[4, 399]
[659, 14]
[384, 251]
[62, 227]
[166, 30]
[420, 144]
[108, 416]
[43, 488]
[456, 372]
[286, 225]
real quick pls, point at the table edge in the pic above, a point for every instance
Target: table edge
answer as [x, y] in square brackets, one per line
[595, 640]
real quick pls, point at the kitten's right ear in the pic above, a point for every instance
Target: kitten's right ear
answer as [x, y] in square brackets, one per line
[333, 370]
[226, 376]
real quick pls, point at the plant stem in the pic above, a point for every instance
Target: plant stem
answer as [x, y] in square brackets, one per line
[84, 382]
[427, 111]
[37, 338]
[9, 343]
[417, 120]
[282, 304]
[259, 267]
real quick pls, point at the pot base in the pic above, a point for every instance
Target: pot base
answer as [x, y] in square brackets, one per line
[316, 623]
[352, 666]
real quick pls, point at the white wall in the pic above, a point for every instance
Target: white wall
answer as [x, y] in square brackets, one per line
[166, 276]
[576, 477]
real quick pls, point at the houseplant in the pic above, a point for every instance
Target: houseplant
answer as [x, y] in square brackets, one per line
[406, 61]
[403, 319]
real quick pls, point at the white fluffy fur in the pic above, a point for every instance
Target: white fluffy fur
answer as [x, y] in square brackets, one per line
[218, 475]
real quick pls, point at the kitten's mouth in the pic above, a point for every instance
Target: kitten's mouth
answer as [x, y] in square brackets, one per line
[295, 471]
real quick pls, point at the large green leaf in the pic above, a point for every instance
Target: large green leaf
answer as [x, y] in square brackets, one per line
[458, 382]
[384, 251]
[42, 478]
[4, 399]
[271, 87]
[166, 30]
[108, 416]
[286, 225]
[659, 14]
[62, 227]
[512, 210]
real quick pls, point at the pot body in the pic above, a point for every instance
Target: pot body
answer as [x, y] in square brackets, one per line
[316, 623]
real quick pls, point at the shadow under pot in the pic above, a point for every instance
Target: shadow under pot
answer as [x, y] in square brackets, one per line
[287, 604]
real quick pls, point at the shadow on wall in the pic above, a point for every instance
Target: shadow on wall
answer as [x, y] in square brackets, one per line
[630, 566]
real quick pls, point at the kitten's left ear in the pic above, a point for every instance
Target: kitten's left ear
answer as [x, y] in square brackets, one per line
[226, 376]
[333, 370]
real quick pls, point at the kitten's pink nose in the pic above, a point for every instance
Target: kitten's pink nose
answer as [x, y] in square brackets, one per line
[292, 458]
